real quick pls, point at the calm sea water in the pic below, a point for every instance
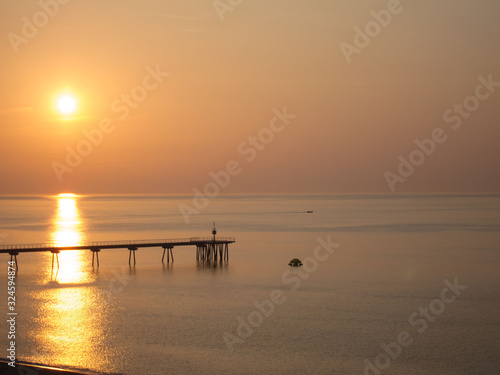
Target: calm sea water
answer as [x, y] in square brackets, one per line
[332, 316]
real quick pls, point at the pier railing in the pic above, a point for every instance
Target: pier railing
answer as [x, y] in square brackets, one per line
[97, 244]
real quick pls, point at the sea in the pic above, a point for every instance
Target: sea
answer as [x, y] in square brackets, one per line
[390, 284]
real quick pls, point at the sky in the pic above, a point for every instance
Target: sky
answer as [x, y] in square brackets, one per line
[255, 96]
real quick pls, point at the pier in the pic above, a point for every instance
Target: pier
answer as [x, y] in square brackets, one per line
[208, 249]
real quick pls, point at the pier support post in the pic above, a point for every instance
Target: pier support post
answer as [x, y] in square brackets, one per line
[13, 258]
[95, 253]
[170, 254]
[221, 250]
[131, 249]
[200, 253]
[56, 253]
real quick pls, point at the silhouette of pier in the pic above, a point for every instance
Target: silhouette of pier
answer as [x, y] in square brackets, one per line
[208, 249]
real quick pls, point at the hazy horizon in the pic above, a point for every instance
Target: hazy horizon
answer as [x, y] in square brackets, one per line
[250, 194]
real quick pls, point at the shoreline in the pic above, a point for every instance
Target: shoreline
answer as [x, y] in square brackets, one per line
[38, 369]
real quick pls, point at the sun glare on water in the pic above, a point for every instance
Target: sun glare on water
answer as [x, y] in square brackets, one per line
[67, 195]
[68, 230]
[67, 223]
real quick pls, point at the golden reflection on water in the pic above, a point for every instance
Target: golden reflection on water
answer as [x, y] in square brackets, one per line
[71, 315]
[68, 230]
[67, 222]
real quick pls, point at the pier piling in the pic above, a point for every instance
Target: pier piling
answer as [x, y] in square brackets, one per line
[170, 254]
[56, 254]
[13, 258]
[95, 253]
[131, 249]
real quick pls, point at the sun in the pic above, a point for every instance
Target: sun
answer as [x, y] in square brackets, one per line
[66, 104]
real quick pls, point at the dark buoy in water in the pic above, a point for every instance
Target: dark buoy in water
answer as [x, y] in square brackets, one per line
[295, 262]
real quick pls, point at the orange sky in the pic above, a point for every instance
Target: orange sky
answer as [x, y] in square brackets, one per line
[227, 72]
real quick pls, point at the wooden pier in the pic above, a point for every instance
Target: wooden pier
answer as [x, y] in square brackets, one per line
[209, 249]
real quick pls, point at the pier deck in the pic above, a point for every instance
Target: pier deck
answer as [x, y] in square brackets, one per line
[207, 248]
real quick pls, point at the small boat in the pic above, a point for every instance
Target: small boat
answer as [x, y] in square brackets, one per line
[310, 212]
